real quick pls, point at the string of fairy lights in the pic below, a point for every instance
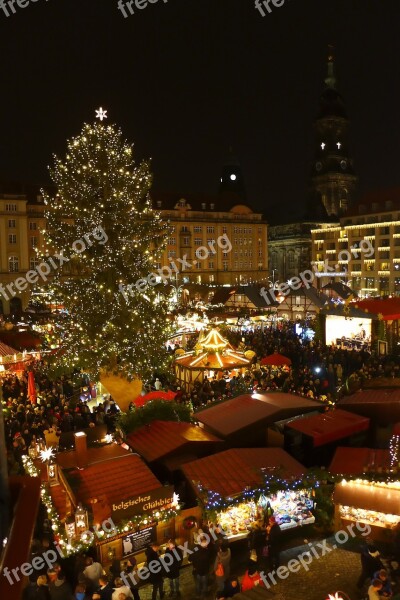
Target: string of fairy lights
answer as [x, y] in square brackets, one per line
[70, 546]
[101, 189]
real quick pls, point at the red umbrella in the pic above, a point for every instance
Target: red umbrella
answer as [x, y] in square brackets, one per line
[276, 359]
[142, 400]
[31, 387]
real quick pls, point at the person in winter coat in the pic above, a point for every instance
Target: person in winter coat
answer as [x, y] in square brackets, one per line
[152, 554]
[223, 558]
[59, 588]
[273, 540]
[120, 588]
[105, 590]
[251, 579]
[370, 563]
[174, 568]
[201, 559]
[42, 590]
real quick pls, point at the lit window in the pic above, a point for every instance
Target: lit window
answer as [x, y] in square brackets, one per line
[339, 145]
[13, 264]
[12, 238]
[233, 177]
[323, 145]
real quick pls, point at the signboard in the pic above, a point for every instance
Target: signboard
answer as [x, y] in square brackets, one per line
[137, 541]
[149, 502]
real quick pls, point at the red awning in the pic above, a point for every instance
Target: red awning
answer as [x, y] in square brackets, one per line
[276, 360]
[331, 426]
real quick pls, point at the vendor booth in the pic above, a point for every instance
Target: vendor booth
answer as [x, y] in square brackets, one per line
[365, 494]
[239, 487]
[106, 497]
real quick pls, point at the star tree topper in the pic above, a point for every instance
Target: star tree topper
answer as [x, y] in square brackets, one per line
[101, 114]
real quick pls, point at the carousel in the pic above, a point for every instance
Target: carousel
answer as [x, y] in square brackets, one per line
[212, 356]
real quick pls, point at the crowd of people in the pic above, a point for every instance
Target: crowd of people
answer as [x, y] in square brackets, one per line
[60, 408]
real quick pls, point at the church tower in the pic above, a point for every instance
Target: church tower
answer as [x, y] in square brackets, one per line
[333, 181]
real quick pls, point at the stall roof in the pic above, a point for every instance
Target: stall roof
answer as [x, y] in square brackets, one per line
[230, 472]
[380, 404]
[354, 461]
[232, 416]
[331, 426]
[112, 473]
[161, 438]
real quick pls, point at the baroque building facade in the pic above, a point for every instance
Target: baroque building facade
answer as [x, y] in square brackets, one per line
[365, 245]
[22, 223]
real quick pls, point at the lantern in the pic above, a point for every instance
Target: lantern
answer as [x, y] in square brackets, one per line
[70, 528]
[52, 473]
[81, 519]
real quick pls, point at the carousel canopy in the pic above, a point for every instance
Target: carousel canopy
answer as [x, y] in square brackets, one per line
[213, 352]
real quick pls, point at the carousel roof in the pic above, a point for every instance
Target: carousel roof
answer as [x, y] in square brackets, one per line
[214, 341]
[213, 352]
[206, 360]
[7, 350]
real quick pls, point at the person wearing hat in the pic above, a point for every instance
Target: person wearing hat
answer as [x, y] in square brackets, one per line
[370, 563]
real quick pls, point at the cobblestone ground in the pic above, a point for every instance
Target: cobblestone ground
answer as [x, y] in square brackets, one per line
[337, 570]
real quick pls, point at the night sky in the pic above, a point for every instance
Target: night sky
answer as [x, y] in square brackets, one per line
[187, 79]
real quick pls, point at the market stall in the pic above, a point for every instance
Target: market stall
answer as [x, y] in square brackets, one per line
[239, 487]
[104, 497]
[365, 493]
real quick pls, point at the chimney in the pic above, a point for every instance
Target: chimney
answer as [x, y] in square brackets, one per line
[81, 450]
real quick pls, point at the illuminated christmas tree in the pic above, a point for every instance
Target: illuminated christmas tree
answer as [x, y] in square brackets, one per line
[107, 237]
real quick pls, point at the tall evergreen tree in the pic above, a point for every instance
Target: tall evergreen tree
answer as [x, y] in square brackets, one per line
[102, 221]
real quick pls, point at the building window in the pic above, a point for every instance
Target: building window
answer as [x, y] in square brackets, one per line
[250, 241]
[236, 264]
[33, 262]
[210, 229]
[197, 229]
[298, 300]
[203, 206]
[186, 241]
[260, 266]
[224, 229]
[260, 254]
[225, 265]
[185, 228]
[211, 264]
[33, 226]
[11, 208]
[291, 260]
[11, 223]
[212, 206]
[198, 241]
[211, 278]
[198, 264]
[250, 264]
[12, 238]
[33, 241]
[171, 253]
[13, 264]
[171, 241]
